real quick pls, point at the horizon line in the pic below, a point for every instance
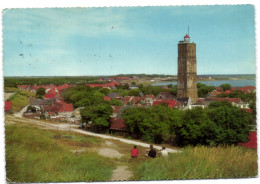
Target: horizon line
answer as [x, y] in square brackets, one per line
[117, 75]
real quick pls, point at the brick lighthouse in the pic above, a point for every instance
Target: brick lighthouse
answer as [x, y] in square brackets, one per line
[187, 70]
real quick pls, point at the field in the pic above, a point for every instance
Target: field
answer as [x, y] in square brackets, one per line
[34, 154]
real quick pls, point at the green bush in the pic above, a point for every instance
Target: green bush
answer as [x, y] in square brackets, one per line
[195, 128]
[220, 124]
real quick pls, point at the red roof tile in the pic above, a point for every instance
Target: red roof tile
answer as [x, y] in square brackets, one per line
[150, 96]
[116, 109]
[61, 106]
[118, 124]
[8, 105]
[123, 78]
[227, 91]
[248, 110]
[252, 143]
[219, 88]
[50, 95]
[106, 98]
[171, 103]
[236, 100]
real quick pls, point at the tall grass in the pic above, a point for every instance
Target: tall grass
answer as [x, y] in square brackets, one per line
[201, 163]
[33, 155]
[12, 96]
[20, 99]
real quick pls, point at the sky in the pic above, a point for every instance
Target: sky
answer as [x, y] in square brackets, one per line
[127, 40]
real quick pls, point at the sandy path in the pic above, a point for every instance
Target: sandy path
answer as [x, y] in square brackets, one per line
[121, 174]
[111, 153]
[68, 127]
[7, 95]
[20, 113]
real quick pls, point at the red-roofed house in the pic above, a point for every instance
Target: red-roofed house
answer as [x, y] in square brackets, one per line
[123, 78]
[247, 89]
[62, 109]
[96, 85]
[235, 100]
[50, 95]
[118, 125]
[219, 88]
[227, 91]
[106, 98]
[64, 86]
[215, 93]
[165, 95]
[150, 96]
[252, 143]
[23, 87]
[8, 106]
[112, 84]
[127, 100]
[116, 110]
[248, 110]
[170, 103]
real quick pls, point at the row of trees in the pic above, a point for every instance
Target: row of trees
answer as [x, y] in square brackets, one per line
[247, 97]
[145, 90]
[221, 123]
[203, 90]
[14, 81]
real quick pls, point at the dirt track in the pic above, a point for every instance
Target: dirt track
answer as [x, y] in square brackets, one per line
[7, 95]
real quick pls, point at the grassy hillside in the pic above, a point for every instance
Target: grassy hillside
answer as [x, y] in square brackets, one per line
[20, 98]
[34, 155]
[201, 163]
[40, 155]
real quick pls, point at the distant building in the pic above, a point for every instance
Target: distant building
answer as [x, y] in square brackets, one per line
[8, 106]
[165, 95]
[187, 70]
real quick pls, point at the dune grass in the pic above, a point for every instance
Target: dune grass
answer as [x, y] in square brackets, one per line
[34, 155]
[201, 163]
[20, 99]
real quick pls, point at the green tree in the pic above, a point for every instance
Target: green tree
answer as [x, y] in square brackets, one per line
[223, 95]
[225, 87]
[231, 124]
[216, 104]
[115, 102]
[40, 93]
[155, 90]
[31, 108]
[203, 90]
[105, 91]
[134, 118]
[134, 92]
[122, 86]
[170, 85]
[195, 127]
[151, 125]
[99, 115]
[133, 83]
[253, 107]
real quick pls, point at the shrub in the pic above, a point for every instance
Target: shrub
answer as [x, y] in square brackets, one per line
[195, 128]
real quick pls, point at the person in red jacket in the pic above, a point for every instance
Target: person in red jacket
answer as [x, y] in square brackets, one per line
[134, 152]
